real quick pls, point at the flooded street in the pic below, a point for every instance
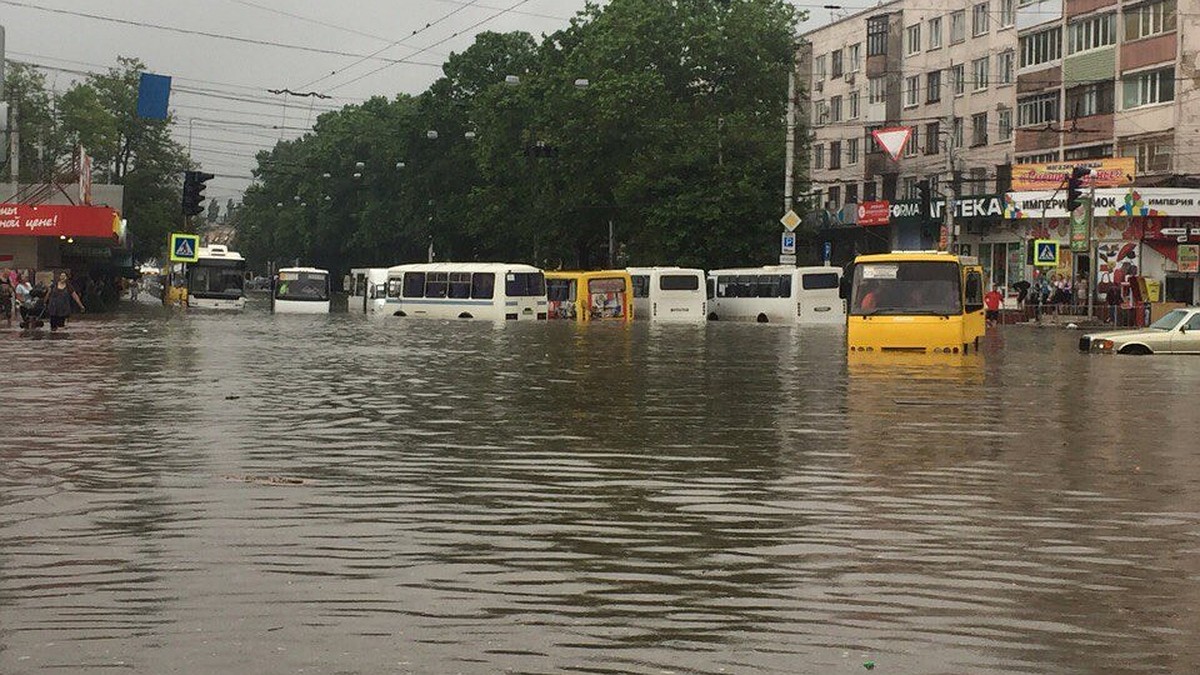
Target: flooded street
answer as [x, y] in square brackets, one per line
[275, 494]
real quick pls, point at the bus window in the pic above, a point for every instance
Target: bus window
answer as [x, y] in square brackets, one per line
[641, 286]
[414, 284]
[785, 286]
[524, 284]
[559, 290]
[712, 288]
[974, 291]
[907, 288]
[483, 285]
[460, 285]
[819, 282]
[435, 284]
[679, 282]
[606, 298]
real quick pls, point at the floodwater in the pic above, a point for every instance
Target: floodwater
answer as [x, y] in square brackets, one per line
[259, 494]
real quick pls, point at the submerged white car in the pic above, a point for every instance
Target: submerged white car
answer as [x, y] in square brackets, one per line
[1178, 332]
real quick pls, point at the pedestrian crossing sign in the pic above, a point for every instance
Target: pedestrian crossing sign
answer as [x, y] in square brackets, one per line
[1045, 253]
[185, 248]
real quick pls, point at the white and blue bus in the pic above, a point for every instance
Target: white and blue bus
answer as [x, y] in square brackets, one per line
[487, 291]
[669, 294]
[217, 280]
[301, 290]
[367, 288]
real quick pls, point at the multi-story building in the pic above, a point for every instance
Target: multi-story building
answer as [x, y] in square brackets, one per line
[986, 84]
[943, 68]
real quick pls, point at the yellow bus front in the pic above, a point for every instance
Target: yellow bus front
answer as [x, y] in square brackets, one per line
[590, 296]
[915, 302]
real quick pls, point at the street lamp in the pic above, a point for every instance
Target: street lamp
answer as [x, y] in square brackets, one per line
[512, 80]
[582, 83]
[360, 165]
[470, 135]
[400, 165]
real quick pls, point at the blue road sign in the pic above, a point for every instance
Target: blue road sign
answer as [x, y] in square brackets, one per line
[787, 245]
[827, 251]
[1045, 253]
[154, 93]
[185, 247]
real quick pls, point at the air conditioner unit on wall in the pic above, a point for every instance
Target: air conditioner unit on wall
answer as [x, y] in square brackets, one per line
[820, 85]
[849, 78]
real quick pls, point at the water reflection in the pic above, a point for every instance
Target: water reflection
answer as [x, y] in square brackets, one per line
[272, 494]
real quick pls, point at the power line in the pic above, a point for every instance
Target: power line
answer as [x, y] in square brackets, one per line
[216, 36]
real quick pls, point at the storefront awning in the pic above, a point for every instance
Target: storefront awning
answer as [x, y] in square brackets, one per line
[79, 222]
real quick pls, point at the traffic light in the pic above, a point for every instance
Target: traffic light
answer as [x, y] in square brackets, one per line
[1075, 188]
[924, 194]
[193, 191]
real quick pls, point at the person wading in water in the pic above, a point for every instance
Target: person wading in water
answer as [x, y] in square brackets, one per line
[58, 301]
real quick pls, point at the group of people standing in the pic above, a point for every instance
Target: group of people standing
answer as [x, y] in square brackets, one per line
[36, 302]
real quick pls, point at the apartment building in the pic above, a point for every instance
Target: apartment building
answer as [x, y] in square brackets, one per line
[1105, 78]
[946, 69]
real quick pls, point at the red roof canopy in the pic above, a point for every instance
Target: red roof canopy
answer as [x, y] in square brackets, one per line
[93, 222]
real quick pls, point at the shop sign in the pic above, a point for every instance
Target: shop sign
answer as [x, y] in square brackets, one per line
[1079, 231]
[873, 213]
[965, 208]
[1112, 172]
[1189, 258]
[1158, 203]
[25, 220]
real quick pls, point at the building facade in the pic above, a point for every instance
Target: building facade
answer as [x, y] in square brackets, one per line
[990, 84]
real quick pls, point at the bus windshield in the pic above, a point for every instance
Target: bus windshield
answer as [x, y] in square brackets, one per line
[908, 287]
[524, 284]
[216, 280]
[302, 286]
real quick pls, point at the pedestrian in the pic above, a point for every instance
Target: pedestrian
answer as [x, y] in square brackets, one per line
[7, 291]
[992, 301]
[59, 301]
[1022, 289]
[23, 289]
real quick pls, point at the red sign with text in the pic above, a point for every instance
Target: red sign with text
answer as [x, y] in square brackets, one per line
[874, 213]
[24, 220]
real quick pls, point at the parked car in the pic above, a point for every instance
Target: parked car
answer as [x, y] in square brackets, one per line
[1178, 332]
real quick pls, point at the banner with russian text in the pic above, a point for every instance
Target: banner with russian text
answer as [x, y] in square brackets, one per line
[1112, 172]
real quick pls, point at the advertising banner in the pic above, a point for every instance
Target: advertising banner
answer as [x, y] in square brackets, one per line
[1189, 258]
[871, 214]
[24, 220]
[1113, 172]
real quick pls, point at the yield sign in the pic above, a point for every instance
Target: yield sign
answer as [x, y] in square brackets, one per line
[893, 139]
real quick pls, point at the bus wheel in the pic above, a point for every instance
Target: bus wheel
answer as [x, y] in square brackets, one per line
[465, 315]
[713, 317]
[400, 313]
[762, 318]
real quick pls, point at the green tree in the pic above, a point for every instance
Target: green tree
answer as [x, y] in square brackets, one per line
[42, 144]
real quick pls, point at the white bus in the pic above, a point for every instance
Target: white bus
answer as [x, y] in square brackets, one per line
[367, 288]
[669, 294]
[778, 294]
[217, 280]
[488, 291]
[301, 290]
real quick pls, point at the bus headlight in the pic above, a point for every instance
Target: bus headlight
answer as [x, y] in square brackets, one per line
[1102, 345]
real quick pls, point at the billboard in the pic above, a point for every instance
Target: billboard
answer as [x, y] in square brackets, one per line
[1112, 172]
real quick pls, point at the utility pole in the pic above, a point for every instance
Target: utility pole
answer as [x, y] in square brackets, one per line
[952, 195]
[1091, 214]
[790, 157]
[611, 247]
[14, 145]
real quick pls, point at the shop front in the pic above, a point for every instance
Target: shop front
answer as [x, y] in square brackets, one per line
[45, 237]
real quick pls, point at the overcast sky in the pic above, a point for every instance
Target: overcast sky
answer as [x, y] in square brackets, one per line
[226, 133]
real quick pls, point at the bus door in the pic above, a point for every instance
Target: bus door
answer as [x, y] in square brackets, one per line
[974, 319]
[818, 298]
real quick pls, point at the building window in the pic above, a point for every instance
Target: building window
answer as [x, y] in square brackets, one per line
[1092, 99]
[821, 110]
[932, 137]
[1155, 86]
[979, 181]
[835, 196]
[873, 146]
[818, 156]
[913, 147]
[1092, 33]
[835, 155]
[935, 33]
[979, 129]
[869, 190]
[1149, 19]
[851, 193]
[854, 105]
[855, 57]
[1039, 109]
[819, 69]
[1006, 124]
[835, 109]
[912, 39]
[1004, 67]
[1008, 13]
[876, 90]
[979, 19]
[835, 64]
[852, 151]
[1153, 155]
[1090, 152]
[958, 78]
[935, 185]
[908, 187]
[912, 91]
[1040, 158]
[957, 134]
[958, 26]
[981, 68]
[877, 35]
[1040, 48]
[933, 87]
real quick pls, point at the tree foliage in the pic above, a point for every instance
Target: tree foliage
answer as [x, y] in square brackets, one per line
[677, 139]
